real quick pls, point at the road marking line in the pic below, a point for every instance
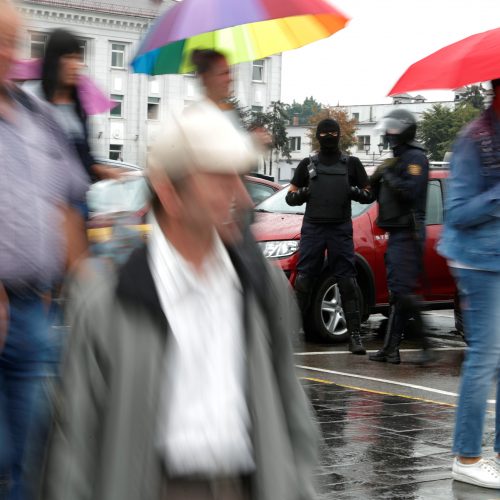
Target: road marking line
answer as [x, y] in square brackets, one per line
[384, 381]
[317, 353]
[322, 381]
[441, 314]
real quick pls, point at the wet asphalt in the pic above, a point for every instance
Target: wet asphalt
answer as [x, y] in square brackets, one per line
[387, 429]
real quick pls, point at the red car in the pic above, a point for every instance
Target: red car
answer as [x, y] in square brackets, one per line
[260, 187]
[277, 229]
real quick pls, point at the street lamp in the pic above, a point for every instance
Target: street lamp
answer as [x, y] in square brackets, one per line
[380, 151]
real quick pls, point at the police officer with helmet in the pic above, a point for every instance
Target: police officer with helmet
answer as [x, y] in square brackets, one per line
[328, 182]
[400, 186]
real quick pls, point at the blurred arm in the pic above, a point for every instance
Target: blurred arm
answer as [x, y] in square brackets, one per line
[302, 427]
[466, 204]
[74, 445]
[76, 237]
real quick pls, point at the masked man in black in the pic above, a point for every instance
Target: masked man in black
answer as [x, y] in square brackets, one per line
[328, 182]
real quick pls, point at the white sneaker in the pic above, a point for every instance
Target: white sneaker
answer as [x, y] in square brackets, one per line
[483, 473]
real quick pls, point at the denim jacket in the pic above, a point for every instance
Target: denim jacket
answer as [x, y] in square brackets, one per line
[471, 234]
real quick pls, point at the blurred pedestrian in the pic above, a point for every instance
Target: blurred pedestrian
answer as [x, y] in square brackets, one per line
[471, 243]
[61, 70]
[216, 78]
[179, 382]
[39, 180]
[400, 186]
[328, 182]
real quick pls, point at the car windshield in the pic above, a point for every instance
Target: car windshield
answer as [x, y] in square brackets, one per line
[277, 204]
[129, 194]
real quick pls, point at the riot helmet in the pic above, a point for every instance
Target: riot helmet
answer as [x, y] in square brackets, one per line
[399, 127]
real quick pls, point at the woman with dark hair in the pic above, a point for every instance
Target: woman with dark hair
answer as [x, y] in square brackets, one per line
[60, 73]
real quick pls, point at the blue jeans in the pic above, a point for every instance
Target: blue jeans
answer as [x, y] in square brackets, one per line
[23, 367]
[480, 299]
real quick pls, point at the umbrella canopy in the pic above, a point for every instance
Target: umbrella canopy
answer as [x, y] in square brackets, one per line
[471, 60]
[244, 30]
[93, 99]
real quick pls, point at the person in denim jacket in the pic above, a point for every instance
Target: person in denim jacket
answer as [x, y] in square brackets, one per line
[471, 243]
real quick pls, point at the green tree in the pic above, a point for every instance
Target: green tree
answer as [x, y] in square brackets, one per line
[304, 111]
[347, 126]
[440, 125]
[474, 95]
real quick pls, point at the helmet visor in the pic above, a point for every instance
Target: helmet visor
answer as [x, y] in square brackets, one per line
[391, 126]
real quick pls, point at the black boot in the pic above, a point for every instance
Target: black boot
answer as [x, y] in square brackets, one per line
[390, 351]
[355, 344]
[350, 304]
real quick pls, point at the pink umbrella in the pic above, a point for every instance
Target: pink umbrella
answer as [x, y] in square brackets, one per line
[93, 99]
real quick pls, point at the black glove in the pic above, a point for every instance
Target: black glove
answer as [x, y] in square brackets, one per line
[363, 196]
[296, 198]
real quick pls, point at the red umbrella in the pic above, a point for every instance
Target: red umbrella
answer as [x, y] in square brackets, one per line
[471, 60]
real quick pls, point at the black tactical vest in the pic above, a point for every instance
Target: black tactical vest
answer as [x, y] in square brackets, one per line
[329, 186]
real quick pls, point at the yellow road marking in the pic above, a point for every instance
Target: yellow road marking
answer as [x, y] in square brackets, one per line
[329, 382]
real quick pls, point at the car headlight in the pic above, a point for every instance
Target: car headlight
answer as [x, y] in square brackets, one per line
[278, 249]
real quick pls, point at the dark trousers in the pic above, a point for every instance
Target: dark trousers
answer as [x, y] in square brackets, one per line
[404, 266]
[336, 240]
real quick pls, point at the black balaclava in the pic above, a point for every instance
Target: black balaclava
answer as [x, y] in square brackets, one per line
[329, 151]
[328, 144]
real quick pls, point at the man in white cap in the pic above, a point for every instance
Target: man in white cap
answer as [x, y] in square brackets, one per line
[179, 381]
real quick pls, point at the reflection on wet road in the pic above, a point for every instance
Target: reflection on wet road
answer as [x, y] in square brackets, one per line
[387, 430]
[379, 446]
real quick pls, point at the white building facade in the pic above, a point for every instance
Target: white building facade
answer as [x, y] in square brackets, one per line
[371, 147]
[109, 35]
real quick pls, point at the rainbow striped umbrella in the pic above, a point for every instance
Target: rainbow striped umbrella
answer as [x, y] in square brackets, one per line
[244, 30]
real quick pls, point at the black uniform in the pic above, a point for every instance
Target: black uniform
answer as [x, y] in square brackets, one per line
[400, 185]
[327, 221]
[328, 182]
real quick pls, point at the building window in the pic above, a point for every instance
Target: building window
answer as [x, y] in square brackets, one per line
[37, 45]
[257, 109]
[363, 142]
[117, 111]
[115, 152]
[82, 45]
[356, 117]
[38, 41]
[385, 142]
[258, 70]
[295, 143]
[118, 55]
[153, 108]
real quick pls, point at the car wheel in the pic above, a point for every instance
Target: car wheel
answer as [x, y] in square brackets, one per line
[326, 320]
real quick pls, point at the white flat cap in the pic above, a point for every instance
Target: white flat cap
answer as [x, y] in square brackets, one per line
[201, 139]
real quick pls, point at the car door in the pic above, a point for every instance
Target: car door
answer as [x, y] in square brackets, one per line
[437, 283]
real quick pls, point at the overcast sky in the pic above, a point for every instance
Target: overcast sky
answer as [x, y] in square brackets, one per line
[361, 63]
